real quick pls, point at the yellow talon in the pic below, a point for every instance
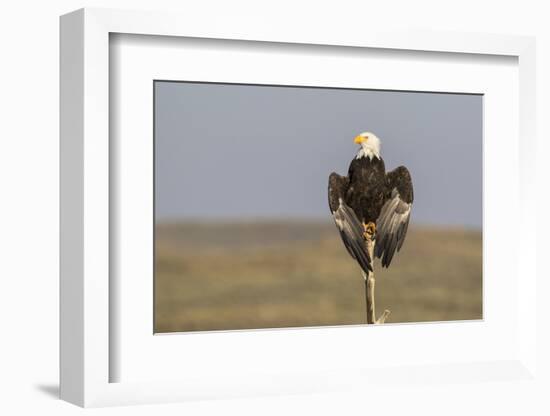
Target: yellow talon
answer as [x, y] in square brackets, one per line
[370, 230]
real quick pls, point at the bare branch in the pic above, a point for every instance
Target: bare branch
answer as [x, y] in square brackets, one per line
[370, 283]
[383, 317]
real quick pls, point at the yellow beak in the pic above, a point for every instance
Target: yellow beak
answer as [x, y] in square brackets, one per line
[359, 139]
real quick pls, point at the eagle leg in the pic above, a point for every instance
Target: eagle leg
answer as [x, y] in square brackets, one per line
[370, 230]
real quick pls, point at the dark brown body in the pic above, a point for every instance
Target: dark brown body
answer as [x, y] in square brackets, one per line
[370, 195]
[368, 188]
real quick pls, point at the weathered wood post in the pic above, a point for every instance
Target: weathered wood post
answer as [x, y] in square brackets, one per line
[370, 283]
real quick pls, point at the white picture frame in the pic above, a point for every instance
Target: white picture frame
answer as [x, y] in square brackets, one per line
[88, 300]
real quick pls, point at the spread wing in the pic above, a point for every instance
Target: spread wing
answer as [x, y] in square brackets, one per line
[349, 226]
[393, 222]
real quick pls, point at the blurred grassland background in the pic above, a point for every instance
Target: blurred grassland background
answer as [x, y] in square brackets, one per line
[272, 274]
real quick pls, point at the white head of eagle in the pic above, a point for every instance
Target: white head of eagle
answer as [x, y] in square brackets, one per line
[370, 145]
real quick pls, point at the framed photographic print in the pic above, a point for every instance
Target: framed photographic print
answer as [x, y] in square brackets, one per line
[229, 200]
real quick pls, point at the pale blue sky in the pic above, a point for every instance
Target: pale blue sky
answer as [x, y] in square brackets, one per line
[240, 151]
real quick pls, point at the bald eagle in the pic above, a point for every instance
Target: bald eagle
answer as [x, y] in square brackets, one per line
[369, 200]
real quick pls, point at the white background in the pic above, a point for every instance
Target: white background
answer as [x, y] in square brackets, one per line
[29, 217]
